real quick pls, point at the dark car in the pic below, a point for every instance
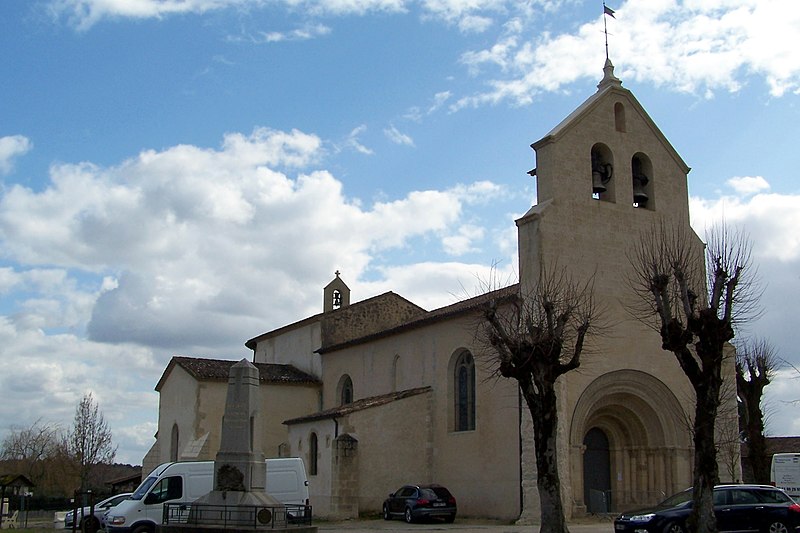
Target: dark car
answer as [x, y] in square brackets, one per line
[737, 507]
[416, 502]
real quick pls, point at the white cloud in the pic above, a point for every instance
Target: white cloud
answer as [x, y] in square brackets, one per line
[190, 250]
[354, 143]
[436, 284]
[83, 14]
[11, 147]
[699, 46]
[746, 185]
[397, 137]
[498, 54]
[304, 33]
[60, 368]
[439, 99]
[471, 16]
[781, 404]
[771, 220]
[463, 241]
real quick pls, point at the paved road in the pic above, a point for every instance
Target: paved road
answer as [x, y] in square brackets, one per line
[600, 525]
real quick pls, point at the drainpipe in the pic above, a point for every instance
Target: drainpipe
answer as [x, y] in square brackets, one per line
[519, 453]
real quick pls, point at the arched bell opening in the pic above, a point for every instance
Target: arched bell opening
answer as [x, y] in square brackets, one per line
[642, 178]
[602, 173]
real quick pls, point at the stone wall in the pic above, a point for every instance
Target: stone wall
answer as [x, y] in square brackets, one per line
[365, 318]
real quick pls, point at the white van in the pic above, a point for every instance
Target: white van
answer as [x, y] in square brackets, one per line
[186, 481]
[785, 473]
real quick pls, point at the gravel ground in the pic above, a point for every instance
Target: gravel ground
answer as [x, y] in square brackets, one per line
[465, 525]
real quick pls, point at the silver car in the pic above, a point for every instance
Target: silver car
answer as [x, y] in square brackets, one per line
[85, 513]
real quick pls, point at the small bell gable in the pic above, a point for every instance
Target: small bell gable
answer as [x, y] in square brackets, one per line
[336, 295]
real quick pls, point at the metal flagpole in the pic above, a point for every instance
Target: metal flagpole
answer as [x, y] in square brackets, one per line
[610, 12]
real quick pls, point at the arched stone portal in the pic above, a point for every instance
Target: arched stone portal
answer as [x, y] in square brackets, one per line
[649, 449]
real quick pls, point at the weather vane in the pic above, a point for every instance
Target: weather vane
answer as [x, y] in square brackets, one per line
[610, 12]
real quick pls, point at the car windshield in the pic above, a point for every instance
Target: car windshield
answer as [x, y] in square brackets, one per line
[677, 500]
[139, 493]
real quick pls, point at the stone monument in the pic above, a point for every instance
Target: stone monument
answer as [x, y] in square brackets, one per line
[240, 475]
[239, 501]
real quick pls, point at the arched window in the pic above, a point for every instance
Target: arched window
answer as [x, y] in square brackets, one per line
[173, 445]
[619, 117]
[313, 450]
[464, 389]
[396, 373]
[345, 390]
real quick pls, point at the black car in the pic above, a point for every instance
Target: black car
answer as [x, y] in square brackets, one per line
[415, 502]
[737, 507]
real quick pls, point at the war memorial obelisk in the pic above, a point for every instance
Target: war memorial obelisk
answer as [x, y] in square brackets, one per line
[239, 501]
[240, 475]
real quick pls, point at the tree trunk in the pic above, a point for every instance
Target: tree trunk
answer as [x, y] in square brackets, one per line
[757, 450]
[706, 471]
[754, 428]
[543, 406]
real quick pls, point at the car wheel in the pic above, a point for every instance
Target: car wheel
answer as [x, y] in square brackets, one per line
[144, 529]
[450, 518]
[386, 515]
[674, 527]
[778, 527]
[90, 524]
[408, 515]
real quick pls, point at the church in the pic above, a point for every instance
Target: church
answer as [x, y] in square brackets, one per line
[376, 393]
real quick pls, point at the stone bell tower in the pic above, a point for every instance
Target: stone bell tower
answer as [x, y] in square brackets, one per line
[606, 172]
[605, 177]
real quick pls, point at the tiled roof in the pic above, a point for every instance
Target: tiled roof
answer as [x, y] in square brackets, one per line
[436, 315]
[15, 480]
[219, 370]
[359, 405]
[251, 343]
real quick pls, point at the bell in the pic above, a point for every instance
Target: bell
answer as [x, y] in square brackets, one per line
[598, 179]
[639, 194]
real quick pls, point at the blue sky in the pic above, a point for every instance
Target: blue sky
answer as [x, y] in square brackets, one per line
[181, 175]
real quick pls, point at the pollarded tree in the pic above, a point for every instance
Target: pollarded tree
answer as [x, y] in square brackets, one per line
[534, 339]
[696, 311]
[89, 442]
[756, 363]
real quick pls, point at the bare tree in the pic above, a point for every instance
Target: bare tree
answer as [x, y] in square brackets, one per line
[536, 338]
[756, 363]
[29, 448]
[89, 441]
[696, 316]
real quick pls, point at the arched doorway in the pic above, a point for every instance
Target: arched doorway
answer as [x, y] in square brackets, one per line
[628, 438]
[596, 471]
